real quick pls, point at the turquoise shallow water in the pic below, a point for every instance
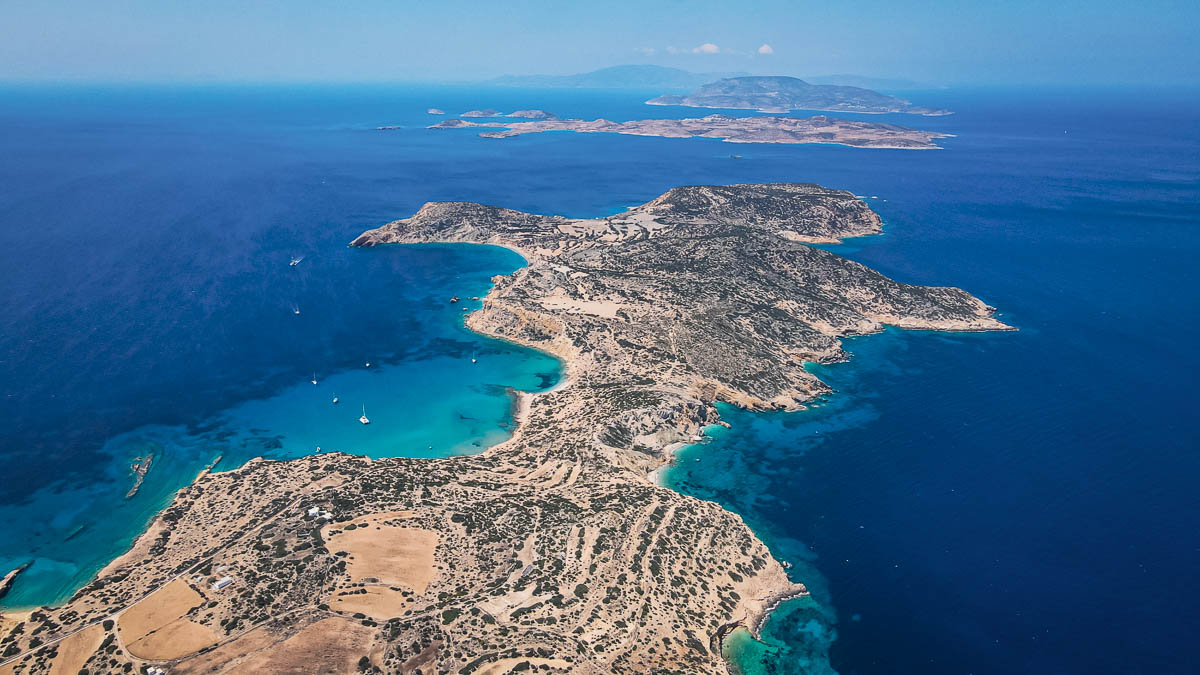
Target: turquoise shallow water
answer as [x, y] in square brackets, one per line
[1019, 502]
[1004, 502]
[433, 402]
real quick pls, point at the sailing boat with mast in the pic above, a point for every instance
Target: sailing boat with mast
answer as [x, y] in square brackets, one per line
[364, 419]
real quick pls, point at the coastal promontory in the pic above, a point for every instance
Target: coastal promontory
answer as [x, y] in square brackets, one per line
[555, 551]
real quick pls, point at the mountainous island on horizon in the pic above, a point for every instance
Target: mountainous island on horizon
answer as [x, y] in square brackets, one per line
[651, 76]
[778, 94]
[618, 77]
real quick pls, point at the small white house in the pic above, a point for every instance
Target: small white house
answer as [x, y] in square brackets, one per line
[314, 511]
[222, 583]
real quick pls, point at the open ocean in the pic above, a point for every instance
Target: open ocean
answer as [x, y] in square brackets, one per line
[965, 503]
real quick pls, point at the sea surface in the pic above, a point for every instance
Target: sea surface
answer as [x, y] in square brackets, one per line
[964, 503]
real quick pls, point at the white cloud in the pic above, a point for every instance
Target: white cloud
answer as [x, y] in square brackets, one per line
[766, 49]
[646, 51]
[673, 50]
[707, 48]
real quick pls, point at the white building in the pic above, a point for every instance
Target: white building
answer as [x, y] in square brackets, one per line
[222, 583]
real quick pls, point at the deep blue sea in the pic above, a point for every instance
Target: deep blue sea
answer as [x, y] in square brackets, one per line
[982, 503]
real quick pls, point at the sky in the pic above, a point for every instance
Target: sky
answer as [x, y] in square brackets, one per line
[947, 42]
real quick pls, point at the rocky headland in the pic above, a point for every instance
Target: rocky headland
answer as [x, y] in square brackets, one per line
[552, 551]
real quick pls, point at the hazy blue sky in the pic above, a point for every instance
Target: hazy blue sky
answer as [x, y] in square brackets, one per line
[944, 42]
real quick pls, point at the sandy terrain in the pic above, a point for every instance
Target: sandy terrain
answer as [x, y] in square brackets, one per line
[561, 301]
[506, 665]
[327, 646]
[228, 657]
[174, 640]
[155, 627]
[378, 602]
[157, 610]
[392, 555]
[76, 650]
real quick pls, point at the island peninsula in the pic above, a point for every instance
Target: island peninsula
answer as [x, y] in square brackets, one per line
[817, 129]
[554, 551]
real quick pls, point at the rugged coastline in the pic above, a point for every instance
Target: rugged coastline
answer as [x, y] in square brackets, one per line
[552, 549]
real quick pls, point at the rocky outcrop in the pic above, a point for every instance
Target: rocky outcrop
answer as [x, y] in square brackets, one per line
[6, 583]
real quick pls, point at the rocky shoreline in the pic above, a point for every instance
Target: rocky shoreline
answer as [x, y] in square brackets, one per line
[553, 548]
[7, 582]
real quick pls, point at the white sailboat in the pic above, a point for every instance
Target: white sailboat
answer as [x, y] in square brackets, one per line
[314, 380]
[473, 356]
[295, 261]
[335, 400]
[364, 419]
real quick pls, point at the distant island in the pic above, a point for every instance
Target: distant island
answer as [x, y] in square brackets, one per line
[616, 77]
[555, 551]
[818, 129]
[489, 112]
[784, 94]
[648, 76]
[533, 114]
[876, 83]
